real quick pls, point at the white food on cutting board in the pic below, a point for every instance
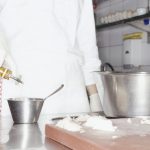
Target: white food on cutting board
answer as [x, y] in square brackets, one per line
[145, 121]
[100, 123]
[94, 122]
[69, 124]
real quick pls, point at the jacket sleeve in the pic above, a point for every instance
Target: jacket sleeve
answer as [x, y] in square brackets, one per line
[86, 39]
[3, 47]
[2, 4]
[3, 43]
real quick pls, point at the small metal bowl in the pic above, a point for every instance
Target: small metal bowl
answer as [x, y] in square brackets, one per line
[25, 110]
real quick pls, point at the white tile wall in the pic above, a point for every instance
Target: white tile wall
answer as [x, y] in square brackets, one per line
[103, 4]
[145, 58]
[103, 38]
[114, 2]
[129, 29]
[142, 3]
[116, 55]
[116, 5]
[104, 54]
[115, 36]
[130, 4]
[110, 40]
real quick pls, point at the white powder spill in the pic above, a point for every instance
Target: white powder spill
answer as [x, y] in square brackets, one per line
[69, 124]
[145, 121]
[129, 120]
[94, 122]
[142, 135]
[100, 123]
[82, 118]
[115, 137]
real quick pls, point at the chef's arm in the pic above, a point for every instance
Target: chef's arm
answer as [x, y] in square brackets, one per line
[94, 98]
[2, 49]
[7, 65]
[3, 45]
[5, 57]
[86, 39]
[91, 89]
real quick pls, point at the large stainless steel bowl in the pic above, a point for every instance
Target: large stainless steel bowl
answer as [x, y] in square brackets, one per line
[126, 94]
[25, 110]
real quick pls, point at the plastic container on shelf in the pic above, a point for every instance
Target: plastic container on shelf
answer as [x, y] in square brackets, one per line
[146, 21]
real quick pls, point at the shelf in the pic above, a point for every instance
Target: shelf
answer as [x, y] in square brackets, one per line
[125, 21]
[140, 25]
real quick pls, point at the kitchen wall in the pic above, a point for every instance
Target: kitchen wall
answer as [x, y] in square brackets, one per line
[109, 40]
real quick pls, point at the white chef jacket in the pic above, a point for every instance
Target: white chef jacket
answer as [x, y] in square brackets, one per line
[51, 42]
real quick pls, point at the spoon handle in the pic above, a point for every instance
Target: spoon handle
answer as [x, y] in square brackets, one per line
[54, 92]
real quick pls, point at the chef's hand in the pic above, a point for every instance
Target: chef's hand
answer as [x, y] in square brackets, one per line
[95, 102]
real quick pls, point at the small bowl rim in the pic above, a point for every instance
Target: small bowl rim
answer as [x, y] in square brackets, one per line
[17, 99]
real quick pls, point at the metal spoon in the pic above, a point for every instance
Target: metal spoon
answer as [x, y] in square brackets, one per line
[54, 92]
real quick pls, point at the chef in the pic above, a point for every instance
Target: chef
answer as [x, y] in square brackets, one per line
[47, 43]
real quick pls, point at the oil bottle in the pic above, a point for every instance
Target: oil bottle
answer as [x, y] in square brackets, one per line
[7, 74]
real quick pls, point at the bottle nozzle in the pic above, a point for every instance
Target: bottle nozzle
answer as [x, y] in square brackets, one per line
[16, 79]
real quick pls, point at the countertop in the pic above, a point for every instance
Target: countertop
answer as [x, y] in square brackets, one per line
[132, 134]
[26, 136]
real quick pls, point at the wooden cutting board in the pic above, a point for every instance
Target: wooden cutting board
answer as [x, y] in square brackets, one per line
[129, 136]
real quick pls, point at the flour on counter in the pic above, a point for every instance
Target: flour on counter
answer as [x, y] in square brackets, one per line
[82, 118]
[69, 124]
[100, 123]
[129, 120]
[115, 137]
[94, 122]
[145, 121]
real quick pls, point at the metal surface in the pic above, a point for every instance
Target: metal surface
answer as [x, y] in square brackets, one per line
[32, 136]
[105, 66]
[126, 94]
[26, 136]
[25, 110]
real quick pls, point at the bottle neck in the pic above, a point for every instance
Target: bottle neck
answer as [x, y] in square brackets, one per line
[5, 73]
